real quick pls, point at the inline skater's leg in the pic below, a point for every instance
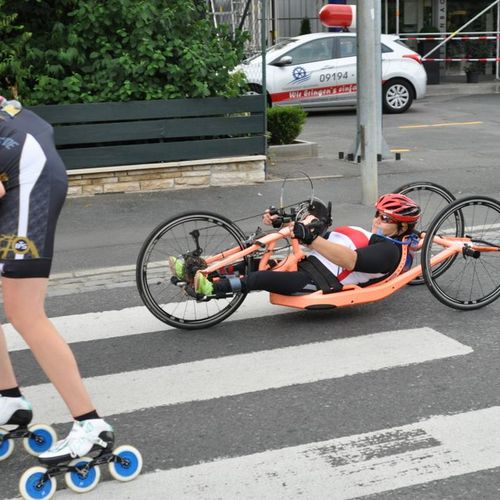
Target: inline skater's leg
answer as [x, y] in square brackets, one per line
[24, 307]
[7, 376]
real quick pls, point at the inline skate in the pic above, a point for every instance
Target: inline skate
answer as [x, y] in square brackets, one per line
[89, 445]
[37, 438]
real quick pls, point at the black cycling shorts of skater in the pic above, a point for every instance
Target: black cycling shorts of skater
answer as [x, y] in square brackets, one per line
[35, 180]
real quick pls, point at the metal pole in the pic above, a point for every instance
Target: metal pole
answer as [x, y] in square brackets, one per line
[369, 78]
[386, 16]
[455, 33]
[498, 43]
[263, 41]
[397, 17]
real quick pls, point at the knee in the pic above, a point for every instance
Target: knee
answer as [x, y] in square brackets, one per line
[19, 318]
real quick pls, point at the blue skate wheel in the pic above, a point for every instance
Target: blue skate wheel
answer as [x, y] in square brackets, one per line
[6, 447]
[130, 465]
[42, 438]
[81, 483]
[31, 487]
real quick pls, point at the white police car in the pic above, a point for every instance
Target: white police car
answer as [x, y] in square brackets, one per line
[319, 71]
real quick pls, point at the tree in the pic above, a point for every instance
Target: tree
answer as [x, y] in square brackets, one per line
[121, 50]
[13, 70]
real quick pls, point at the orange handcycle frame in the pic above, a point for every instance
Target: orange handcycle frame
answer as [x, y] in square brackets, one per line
[350, 294]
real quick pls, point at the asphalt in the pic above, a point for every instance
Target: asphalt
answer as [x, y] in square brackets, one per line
[460, 88]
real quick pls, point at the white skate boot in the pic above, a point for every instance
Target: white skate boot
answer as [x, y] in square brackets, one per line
[84, 437]
[35, 438]
[15, 411]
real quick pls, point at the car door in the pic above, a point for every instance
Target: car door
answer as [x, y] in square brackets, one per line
[299, 80]
[342, 76]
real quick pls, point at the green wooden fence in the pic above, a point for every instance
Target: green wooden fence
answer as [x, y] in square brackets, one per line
[138, 132]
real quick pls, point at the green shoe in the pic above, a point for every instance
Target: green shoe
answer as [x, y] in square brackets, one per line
[177, 267]
[202, 285]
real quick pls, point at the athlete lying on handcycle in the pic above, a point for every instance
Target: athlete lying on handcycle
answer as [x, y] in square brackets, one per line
[345, 255]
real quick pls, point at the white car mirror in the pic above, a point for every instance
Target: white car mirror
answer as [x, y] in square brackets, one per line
[283, 61]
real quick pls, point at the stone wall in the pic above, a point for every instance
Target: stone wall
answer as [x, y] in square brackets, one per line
[167, 176]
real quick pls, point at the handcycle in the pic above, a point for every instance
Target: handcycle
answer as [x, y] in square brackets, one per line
[456, 253]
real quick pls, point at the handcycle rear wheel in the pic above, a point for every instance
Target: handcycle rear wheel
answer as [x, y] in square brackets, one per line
[210, 234]
[431, 198]
[472, 279]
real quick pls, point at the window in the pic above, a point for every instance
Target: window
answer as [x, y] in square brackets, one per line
[317, 50]
[347, 47]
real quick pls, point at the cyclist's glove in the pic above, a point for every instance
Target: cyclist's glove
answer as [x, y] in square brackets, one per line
[306, 234]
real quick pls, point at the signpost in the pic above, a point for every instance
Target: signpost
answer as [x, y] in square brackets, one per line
[369, 144]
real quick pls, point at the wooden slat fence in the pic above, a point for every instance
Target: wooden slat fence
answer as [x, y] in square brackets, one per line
[139, 132]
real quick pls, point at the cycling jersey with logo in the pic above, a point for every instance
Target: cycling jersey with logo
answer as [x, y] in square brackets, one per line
[374, 253]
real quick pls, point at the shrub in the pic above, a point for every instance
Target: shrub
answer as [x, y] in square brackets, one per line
[305, 26]
[285, 123]
[123, 50]
[12, 46]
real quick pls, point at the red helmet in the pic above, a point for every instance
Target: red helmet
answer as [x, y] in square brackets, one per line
[399, 207]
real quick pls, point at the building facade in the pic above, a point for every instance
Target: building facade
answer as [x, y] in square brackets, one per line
[411, 19]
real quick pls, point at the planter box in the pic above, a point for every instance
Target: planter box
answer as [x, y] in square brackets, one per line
[297, 150]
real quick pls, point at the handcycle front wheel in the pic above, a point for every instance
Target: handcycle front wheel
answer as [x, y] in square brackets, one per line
[202, 233]
[431, 198]
[472, 278]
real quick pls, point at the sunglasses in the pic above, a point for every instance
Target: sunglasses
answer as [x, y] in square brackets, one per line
[384, 218]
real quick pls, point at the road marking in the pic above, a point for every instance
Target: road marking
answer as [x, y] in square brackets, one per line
[451, 124]
[440, 447]
[400, 150]
[134, 321]
[312, 177]
[251, 372]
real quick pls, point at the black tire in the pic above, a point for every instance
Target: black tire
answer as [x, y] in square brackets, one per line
[257, 89]
[397, 96]
[169, 302]
[432, 199]
[472, 280]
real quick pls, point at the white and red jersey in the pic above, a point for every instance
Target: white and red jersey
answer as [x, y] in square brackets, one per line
[352, 237]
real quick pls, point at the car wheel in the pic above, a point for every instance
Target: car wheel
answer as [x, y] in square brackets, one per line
[257, 89]
[397, 95]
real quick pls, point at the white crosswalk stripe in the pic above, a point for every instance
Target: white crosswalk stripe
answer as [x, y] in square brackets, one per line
[339, 469]
[258, 371]
[133, 321]
[437, 448]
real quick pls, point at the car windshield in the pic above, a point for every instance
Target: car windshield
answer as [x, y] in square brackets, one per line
[282, 43]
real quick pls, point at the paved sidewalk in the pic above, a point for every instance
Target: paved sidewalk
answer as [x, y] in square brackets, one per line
[453, 88]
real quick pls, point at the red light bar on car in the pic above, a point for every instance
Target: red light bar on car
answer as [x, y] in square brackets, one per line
[338, 16]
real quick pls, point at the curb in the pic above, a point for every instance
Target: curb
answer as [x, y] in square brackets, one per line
[299, 149]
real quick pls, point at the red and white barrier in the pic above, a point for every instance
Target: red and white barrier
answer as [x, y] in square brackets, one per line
[338, 16]
[482, 37]
[458, 59]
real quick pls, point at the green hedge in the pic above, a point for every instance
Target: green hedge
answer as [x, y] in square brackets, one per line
[118, 50]
[284, 124]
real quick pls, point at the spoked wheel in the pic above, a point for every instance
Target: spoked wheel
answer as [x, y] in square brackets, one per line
[472, 279]
[431, 198]
[200, 234]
